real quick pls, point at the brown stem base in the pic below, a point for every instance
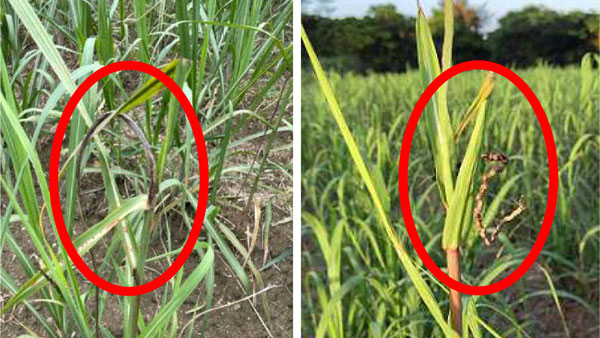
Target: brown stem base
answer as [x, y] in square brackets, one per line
[453, 261]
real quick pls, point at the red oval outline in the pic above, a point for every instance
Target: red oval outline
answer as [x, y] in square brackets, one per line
[54, 189]
[552, 176]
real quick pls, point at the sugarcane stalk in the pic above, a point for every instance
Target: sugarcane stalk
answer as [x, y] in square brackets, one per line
[453, 261]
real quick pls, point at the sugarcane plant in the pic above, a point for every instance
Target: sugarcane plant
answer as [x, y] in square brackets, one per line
[463, 203]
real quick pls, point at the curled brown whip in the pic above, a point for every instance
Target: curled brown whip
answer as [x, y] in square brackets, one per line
[499, 162]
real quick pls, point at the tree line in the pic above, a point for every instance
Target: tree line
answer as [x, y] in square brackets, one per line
[384, 40]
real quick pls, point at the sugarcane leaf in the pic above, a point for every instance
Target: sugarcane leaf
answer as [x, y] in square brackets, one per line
[83, 244]
[437, 118]
[461, 202]
[458, 204]
[163, 317]
[152, 87]
[334, 302]
[414, 274]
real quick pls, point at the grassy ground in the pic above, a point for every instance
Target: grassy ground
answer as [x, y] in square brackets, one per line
[235, 69]
[348, 263]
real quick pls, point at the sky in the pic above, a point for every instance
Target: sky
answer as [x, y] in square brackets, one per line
[495, 8]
